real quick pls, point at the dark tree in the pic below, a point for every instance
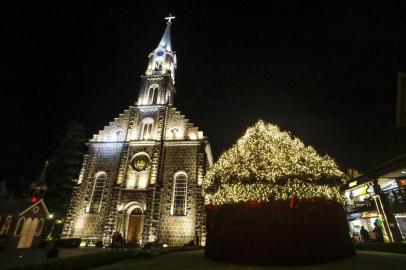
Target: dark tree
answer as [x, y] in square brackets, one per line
[4, 193]
[64, 168]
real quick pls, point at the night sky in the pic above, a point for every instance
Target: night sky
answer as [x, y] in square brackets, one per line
[326, 73]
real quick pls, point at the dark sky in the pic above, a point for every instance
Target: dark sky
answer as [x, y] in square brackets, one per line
[325, 72]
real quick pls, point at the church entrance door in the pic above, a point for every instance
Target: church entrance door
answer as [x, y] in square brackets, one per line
[135, 225]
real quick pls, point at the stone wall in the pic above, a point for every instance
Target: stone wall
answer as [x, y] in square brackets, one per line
[103, 157]
[178, 230]
[112, 152]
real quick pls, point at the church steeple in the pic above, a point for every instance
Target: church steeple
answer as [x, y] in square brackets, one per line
[39, 187]
[163, 60]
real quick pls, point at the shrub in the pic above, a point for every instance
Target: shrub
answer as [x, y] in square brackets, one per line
[153, 246]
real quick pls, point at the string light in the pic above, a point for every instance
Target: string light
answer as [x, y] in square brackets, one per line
[268, 164]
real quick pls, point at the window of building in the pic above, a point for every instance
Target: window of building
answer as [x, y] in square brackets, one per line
[179, 194]
[6, 225]
[153, 94]
[146, 129]
[97, 194]
[19, 226]
[158, 65]
[39, 227]
[175, 132]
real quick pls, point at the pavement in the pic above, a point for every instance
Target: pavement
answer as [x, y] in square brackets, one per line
[21, 256]
[196, 260]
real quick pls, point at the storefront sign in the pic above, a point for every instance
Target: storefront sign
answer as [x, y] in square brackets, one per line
[360, 191]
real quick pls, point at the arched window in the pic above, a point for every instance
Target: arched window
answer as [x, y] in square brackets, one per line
[39, 227]
[146, 128]
[153, 94]
[179, 196]
[6, 225]
[97, 194]
[158, 65]
[19, 226]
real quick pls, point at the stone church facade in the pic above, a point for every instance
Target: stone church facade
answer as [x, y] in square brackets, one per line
[143, 172]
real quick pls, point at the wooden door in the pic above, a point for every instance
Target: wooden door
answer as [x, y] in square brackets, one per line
[135, 226]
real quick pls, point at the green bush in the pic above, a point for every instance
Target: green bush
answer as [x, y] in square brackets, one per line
[383, 247]
[80, 261]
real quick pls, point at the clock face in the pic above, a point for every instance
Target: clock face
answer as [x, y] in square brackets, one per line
[140, 163]
[160, 53]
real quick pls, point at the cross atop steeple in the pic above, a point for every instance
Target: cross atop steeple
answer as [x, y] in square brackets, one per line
[169, 18]
[163, 60]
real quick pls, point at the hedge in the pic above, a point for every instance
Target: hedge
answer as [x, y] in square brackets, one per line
[80, 261]
[383, 247]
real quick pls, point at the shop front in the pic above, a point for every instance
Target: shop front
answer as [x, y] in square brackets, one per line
[379, 197]
[366, 219]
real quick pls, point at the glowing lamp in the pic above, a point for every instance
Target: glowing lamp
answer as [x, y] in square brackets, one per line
[34, 199]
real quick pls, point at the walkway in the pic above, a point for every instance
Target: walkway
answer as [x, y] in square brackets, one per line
[195, 260]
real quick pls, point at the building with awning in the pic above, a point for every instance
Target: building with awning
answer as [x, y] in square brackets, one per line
[379, 196]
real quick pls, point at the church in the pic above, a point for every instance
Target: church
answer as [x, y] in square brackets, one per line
[143, 172]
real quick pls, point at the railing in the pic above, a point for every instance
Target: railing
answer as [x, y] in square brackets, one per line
[367, 204]
[395, 196]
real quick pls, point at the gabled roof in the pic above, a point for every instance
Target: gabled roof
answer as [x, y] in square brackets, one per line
[14, 205]
[20, 206]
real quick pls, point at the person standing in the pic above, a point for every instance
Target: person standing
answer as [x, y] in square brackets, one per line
[378, 232]
[114, 240]
[364, 234]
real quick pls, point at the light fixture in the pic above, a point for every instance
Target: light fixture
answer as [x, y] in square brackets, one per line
[403, 172]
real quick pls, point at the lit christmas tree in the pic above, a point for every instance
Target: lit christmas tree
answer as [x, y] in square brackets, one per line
[268, 164]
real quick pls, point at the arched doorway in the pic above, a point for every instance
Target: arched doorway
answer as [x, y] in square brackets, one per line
[27, 233]
[135, 225]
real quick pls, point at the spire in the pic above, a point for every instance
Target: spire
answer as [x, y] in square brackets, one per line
[166, 37]
[39, 187]
[163, 60]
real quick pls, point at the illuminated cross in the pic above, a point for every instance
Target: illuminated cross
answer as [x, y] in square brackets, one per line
[169, 18]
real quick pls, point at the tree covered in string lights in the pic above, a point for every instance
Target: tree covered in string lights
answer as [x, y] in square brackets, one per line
[268, 164]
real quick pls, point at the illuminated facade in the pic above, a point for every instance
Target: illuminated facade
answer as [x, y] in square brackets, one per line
[143, 172]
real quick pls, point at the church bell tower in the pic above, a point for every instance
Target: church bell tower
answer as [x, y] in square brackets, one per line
[157, 86]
